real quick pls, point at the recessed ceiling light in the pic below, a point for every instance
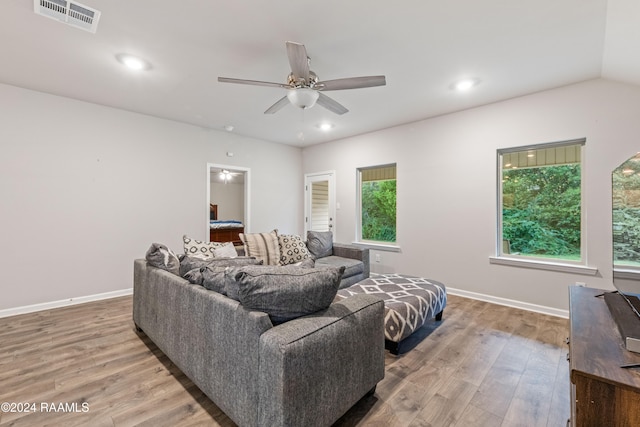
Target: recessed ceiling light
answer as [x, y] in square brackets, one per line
[465, 84]
[133, 62]
[325, 126]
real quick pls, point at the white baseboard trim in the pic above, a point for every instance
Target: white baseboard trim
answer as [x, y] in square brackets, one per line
[453, 291]
[510, 303]
[63, 303]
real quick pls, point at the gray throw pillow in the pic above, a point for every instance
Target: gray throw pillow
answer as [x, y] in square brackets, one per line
[285, 293]
[194, 276]
[160, 256]
[231, 286]
[188, 263]
[213, 278]
[320, 243]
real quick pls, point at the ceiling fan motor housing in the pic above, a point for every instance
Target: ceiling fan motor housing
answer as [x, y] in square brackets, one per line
[300, 82]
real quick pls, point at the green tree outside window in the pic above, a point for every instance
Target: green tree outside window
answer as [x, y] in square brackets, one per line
[541, 202]
[378, 203]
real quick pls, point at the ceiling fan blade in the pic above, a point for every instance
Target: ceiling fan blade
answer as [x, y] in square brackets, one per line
[278, 105]
[252, 82]
[352, 83]
[330, 104]
[298, 60]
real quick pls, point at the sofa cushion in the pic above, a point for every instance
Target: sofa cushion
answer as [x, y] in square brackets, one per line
[158, 255]
[352, 266]
[285, 293]
[320, 243]
[193, 247]
[292, 249]
[263, 246]
[188, 263]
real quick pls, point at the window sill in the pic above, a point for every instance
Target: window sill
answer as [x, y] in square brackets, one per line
[378, 246]
[626, 273]
[545, 265]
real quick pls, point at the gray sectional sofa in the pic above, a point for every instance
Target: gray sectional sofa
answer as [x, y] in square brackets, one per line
[303, 372]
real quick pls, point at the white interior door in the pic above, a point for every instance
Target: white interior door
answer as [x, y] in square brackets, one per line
[320, 205]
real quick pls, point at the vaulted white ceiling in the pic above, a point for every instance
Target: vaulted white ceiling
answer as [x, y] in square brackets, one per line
[421, 46]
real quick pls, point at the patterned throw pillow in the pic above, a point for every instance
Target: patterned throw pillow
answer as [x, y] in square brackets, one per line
[263, 246]
[198, 247]
[292, 249]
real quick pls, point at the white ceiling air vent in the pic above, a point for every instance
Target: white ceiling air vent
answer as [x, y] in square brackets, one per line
[71, 13]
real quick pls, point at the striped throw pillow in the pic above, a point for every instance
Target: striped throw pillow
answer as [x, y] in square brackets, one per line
[262, 246]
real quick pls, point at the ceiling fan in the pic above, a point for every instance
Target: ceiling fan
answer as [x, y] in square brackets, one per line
[226, 175]
[304, 88]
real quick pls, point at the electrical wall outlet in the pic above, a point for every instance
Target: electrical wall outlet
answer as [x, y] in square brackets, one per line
[581, 284]
[378, 258]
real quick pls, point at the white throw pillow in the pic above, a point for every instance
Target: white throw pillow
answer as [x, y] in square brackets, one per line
[227, 250]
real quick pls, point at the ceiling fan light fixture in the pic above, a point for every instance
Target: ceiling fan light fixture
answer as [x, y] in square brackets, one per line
[303, 98]
[225, 175]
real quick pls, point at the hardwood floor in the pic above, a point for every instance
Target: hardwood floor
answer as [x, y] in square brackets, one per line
[483, 365]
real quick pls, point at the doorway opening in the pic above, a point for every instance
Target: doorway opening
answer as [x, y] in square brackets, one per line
[228, 201]
[320, 204]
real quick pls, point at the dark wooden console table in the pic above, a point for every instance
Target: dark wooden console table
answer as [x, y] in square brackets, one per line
[602, 393]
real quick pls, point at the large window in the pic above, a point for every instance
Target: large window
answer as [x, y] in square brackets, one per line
[540, 201]
[377, 213]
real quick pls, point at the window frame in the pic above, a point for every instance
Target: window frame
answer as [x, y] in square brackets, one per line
[373, 244]
[566, 265]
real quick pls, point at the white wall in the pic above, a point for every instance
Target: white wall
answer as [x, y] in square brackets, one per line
[447, 185]
[85, 189]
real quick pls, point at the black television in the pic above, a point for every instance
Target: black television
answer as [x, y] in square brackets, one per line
[624, 305]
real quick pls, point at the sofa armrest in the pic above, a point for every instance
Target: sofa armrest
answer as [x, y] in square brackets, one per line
[353, 252]
[314, 368]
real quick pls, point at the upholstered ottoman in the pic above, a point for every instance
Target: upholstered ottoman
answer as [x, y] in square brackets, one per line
[409, 302]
